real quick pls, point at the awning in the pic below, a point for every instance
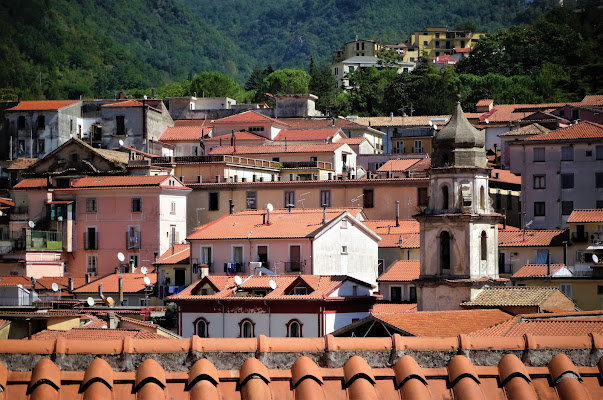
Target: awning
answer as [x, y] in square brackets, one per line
[60, 202]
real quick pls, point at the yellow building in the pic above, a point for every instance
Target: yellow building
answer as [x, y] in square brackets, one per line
[357, 48]
[439, 41]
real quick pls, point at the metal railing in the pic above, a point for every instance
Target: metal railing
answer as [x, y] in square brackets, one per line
[307, 164]
[133, 240]
[217, 158]
[44, 240]
[293, 266]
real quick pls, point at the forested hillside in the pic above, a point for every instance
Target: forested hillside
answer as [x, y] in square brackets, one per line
[67, 48]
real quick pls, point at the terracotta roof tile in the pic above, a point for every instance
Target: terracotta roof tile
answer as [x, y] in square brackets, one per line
[531, 238]
[401, 271]
[248, 117]
[528, 130]
[10, 280]
[393, 308]
[45, 283]
[272, 148]
[90, 334]
[383, 226]
[401, 240]
[504, 175]
[307, 134]
[132, 283]
[240, 136]
[126, 103]
[549, 324]
[537, 270]
[444, 59]
[352, 141]
[586, 215]
[3, 323]
[22, 163]
[422, 120]
[305, 222]
[513, 112]
[484, 102]
[31, 183]
[317, 123]
[581, 130]
[181, 133]
[175, 255]
[42, 105]
[463, 50]
[593, 100]
[512, 296]
[398, 165]
[120, 181]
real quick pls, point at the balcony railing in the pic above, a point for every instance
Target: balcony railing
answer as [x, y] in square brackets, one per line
[233, 267]
[44, 240]
[217, 158]
[133, 240]
[580, 238]
[293, 266]
[307, 164]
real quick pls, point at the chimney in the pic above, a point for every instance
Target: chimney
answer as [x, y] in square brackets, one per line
[100, 291]
[204, 271]
[324, 214]
[290, 207]
[120, 288]
[391, 116]
[70, 284]
[267, 217]
[263, 219]
[397, 213]
[87, 278]
[230, 206]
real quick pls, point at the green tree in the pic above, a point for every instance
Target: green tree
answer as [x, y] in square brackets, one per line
[389, 58]
[287, 81]
[367, 96]
[215, 84]
[324, 85]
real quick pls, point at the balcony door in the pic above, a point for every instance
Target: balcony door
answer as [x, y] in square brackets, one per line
[295, 258]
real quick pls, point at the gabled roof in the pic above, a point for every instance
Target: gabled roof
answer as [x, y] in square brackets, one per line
[192, 132]
[512, 296]
[531, 238]
[402, 241]
[192, 122]
[45, 283]
[132, 283]
[398, 165]
[123, 181]
[42, 105]
[528, 130]
[444, 59]
[175, 255]
[31, 183]
[316, 123]
[504, 175]
[248, 117]
[22, 163]
[581, 130]
[593, 100]
[401, 271]
[322, 286]
[384, 226]
[240, 135]
[307, 134]
[353, 141]
[537, 270]
[422, 120]
[583, 215]
[10, 280]
[484, 102]
[514, 112]
[298, 223]
[271, 149]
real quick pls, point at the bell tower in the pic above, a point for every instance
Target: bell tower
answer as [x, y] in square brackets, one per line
[459, 229]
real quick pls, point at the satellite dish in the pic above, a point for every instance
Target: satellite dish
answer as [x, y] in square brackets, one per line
[90, 301]
[272, 284]
[144, 270]
[486, 121]
[109, 301]
[60, 218]
[430, 123]
[238, 280]
[121, 257]
[31, 224]
[269, 207]
[147, 281]
[595, 259]
[121, 142]
[55, 287]
[435, 127]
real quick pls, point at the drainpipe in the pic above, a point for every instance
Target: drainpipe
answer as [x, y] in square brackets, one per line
[269, 318]
[565, 252]
[324, 214]
[230, 206]
[397, 213]
[70, 284]
[120, 286]
[223, 319]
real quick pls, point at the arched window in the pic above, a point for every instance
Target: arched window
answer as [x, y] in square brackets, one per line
[294, 328]
[444, 251]
[482, 198]
[484, 246]
[445, 197]
[247, 328]
[202, 328]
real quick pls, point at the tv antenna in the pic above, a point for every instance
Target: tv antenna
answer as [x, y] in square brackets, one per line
[302, 198]
[357, 198]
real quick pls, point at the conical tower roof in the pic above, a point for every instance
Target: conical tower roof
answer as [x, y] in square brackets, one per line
[460, 131]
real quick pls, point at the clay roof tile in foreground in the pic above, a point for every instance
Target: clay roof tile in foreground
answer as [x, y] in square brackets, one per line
[586, 215]
[401, 271]
[460, 367]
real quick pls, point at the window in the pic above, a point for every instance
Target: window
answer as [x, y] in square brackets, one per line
[201, 328]
[206, 257]
[314, 158]
[325, 198]
[599, 152]
[251, 200]
[354, 290]
[41, 146]
[350, 69]
[289, 198]
[247, 328]
[567, 181]
[444, 197]
[344, 249]
[368, 198]
[539, 154]
[91, 205]
[120, 125]
[599, 179]
[566, 288]
[91, 239]
[498, 199]
[539, 208]
[91, 263]
[300, 290]
[173, 235]
[134, 261]
[380, 265]
[294, 328]
[509, 200]
[444, 251]
[344, 224]
[214, 198]
[567, 207]
[424, 42]
[136, 204]
[418, 147]
[422, 196]
[294, 264]
[41, 122]
[21, 122]
[21, 147]
[567, 153]
[539, 181]
[482, 198]
[599, 289]
[599, 204]
[484, 246]
[276, 159]
[173, 207]
[395, 294]
[413, 294]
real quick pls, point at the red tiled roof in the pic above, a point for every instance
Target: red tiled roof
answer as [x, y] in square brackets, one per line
[42, 105]
[566, 324]
[504, 175]
[126, 103]
[307, 134]
[528, 130]
[3, 323]
[581, 130]
[415, 120]
[514, 112]
[10, 280]
[531, 238]
[269, 149]
[31, 183]
[22, 163]
[192, 122]
[248, 117]
[444, 323]
[463, 50]
[317, 123]
[383, 226]
[321, 285]
[398, 165]
[240, 135]
[402, 240]
[352, 141]
[537, 270]
[393, 308]
[401, 271]
[120, 181]
[173, 133]
[592, 100]
[132, 283]
[175, 255]
[512, 296]
[445, 59]
[45, 283]
[297, 224]
[583, 215]
[88, 334]
[332, 368]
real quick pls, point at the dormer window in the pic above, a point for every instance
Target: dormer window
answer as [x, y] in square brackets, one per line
[300, 290]
[256, 129]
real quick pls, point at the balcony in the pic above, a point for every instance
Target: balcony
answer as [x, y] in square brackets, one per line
[580, 238]
[307, 164]
[44, 240]
[217, 158]
[133, 240]
[233, 267]
[293, 266]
